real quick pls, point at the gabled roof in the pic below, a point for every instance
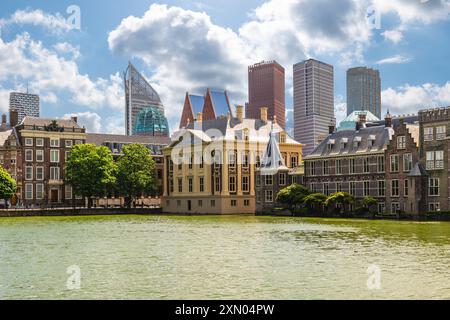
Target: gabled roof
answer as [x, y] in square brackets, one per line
[4, 136]
[272, 161]
[371, 139]
[220, 102]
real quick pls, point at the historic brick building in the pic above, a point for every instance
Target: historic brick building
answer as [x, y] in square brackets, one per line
[434, 154]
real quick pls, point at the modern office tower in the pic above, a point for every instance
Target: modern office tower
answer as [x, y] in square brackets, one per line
[364, 90]
[144, 111]
[25, 104]
[266, 88]
[313, 102]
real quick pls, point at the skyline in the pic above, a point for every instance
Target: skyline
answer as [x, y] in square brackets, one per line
[79, 71]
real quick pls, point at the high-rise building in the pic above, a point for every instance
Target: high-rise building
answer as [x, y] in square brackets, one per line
[364, 90]
[25, 104]
[313, 102]
[144, 111]
[266, 88]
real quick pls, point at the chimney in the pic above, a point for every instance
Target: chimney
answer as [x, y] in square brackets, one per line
[74, 119]
[388, 119]
[3, 119]
[13, 117]
[199, 117]
[332, 126]
[264, 114]
[240, 113]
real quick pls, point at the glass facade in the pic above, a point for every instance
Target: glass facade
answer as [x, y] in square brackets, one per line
[151, 122]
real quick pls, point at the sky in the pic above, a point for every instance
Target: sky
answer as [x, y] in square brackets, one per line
[73, 53]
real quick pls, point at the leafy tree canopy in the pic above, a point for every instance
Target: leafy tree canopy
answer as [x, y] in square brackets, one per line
[292, 195]
[339, 198]
[8, 185]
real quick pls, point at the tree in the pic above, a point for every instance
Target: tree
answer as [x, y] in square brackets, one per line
[8, 186]
[136, 172]
[339, 199]
[315, 201]
[292, 196]
[369, 203]
[90, 170]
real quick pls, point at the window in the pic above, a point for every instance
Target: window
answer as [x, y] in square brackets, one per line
[381, 207]
[68, 192]
[258, 161]
[338, 187]
[213, 203]
[338, 166]
[434, 207]
[28, 191]
[394, 188]
[232, 184]
[269, 196]
[191, 187]
[326, 168]
[380, 164]
[191, 160]
[54, 173]
[352, 188]
[200, 203]
[282, 179]
[326, 189]
[28, 173]
[29, 155]
[54, 156]
[428, 134]
[366, 188]
[430, 160]
[245, 186]
[433, 185]
[407, 162]
[39, 142]
[313, 168]
[202, 184]
[246, 203]
[233, 203]
[180, 185]
[434, 160]
[401, 142]
[40, 155]
[439, 157]
[40, 173]
[69, 143]
[29, 142]
[351, 166]
[366, 165]
[406, 187]
[54, 143]
[294, 161]
[381, 184]
[217, 184]
[231, 161]
[395, 207]
[394, 163]
[268, 180]
[39, 191]
[440, 133]
[245, 160]
[78, 141]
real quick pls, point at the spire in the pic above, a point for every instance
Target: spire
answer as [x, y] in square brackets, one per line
[272, 161]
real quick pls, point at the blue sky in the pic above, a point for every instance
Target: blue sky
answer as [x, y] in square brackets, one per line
[190, 45]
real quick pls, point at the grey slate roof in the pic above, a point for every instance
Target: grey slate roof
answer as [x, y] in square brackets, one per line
[100, 139]
[331, 145]
[40, 122]
[418, 171]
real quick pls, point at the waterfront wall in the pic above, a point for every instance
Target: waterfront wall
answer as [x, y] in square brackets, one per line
[77, 212]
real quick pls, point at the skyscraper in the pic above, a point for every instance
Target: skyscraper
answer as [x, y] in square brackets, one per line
[313, 102]
[266, 88]
[25, 104]
[142, 102]
[364, 90]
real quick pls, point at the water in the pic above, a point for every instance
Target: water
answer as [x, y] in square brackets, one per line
[140, 257]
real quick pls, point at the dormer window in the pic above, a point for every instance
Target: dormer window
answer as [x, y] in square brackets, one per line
[344, 143]
[356, 142]
[371, 141]
[330, 144]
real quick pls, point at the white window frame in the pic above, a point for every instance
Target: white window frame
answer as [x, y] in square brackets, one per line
[40, 194]
[52, 175]
[39, 142]
[41, 153]
[52, 153]
[43, 173]
[268, 196]
[28, 142]
[28, 185]
[68, 143]
[28, 152]
[54, 142]
[29, 177]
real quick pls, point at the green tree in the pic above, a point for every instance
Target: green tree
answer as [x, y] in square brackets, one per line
[369, 203]
[315, 201]
[136, 172]
[90, 170]
[8, 186]
[292, 196]
[339, 199]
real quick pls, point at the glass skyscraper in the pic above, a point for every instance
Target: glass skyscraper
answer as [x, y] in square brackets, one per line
[364, 90]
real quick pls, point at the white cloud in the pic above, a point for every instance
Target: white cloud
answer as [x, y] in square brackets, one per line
[410, 99]
[67, 48]
[49, 73]
[55, 23]
[395, 36]
[397, 59]
[90, 120]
